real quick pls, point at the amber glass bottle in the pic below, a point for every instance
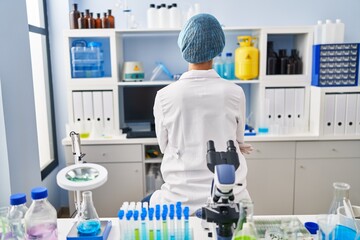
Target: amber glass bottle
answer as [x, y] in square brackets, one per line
[87, 17]
[111, 19]
[91, 21]
[82, 21]
[105, 21]
[98, 21]
[74, 16]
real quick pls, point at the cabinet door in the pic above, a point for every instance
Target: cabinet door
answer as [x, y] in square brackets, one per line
[270, 185]
[125, 183]
[314, 179]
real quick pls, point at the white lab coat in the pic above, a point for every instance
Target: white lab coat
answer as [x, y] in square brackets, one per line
[199, 107]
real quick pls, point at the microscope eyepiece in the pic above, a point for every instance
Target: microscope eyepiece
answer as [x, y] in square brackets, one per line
[210, 146]
[230, 145]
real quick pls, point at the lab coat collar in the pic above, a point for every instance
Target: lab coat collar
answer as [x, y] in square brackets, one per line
[211, 73]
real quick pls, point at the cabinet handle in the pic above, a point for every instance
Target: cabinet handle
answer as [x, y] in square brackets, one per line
[258, 151]
[136, 170]
[334, 150]
[104, 154]
[302, 167]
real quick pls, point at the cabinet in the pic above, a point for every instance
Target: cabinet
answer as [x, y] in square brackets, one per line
[270, 179]
[124, 164]
[318, 165]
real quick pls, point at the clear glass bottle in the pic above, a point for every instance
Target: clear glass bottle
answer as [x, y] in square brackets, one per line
[88, 219]
[246, 229]
[41, 218]
[229, 67]
[17, 213]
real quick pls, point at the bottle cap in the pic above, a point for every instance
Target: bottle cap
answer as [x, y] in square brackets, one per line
[152, 5]
[229, 54]
[39, 193]
[312, 227]
[17, 199]
[94, 44]
[163, 5]
[328, 21]
[338, 20]
[174, 5]
[319, 22]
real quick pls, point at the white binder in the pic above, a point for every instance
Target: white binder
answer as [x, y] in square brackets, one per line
[340, 111]
[78, 107]
[108, 108]
[358, 114]
[350, 117]
[269, 107]
[88, 106]
[279, 107]
[300, 109]
[329, 114]
[289, 108]
[98, 108]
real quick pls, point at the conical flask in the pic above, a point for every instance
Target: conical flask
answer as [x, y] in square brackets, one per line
[88, 222]
[245, 229]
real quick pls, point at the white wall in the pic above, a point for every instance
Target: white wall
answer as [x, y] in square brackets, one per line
[229, 13]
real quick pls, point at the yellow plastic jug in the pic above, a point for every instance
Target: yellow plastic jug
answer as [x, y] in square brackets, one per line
[246, 59]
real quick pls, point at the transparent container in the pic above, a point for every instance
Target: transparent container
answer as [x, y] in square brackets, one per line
[218, 65]
[16, 215]
[41, 218]
[245, 229]
[88, 220]
[4, 223]
[229, 67]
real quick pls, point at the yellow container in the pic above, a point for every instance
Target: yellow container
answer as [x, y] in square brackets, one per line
[246, 59]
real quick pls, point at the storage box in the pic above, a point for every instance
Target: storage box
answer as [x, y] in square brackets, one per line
[335, 65]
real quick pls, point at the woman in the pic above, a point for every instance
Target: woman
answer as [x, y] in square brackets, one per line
[197, 108]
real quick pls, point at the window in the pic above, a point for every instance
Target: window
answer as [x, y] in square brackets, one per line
[41, 75]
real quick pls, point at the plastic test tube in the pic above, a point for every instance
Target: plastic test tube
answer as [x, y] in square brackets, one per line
[151, 224]
[164, 222]
[179, 228]
[122, 224]
[144, 233]
[158, 224]
[136, 226]
[171, 224]
[186, 224]
[128, 228]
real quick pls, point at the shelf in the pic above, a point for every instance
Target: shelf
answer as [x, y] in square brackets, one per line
[153, 160]
[145, 83]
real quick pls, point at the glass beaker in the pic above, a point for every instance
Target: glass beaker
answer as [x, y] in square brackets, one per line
[245, 229]
[327, 223]
[88, 222]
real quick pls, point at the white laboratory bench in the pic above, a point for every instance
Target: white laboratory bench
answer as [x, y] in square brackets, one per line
[65, 224]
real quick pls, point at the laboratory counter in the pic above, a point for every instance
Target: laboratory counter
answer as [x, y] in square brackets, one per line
[65, 224]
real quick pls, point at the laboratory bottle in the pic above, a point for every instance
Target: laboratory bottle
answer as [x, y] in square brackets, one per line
[273, 66]
[81, 21]
[163, 16]
[87, 17]
[91, 21]
[41, 218]
[175, 16]
[105, 21]
[283, 61]
[339, 31]
[297, 60]
[245, 228]
[17, 213]
[218, 65]
[88, 219]
[111, 19]
[151, 16]
[318, 32]
[246, 59]
[328, 32]
[229, 67]
[98, 21]
[74, 16]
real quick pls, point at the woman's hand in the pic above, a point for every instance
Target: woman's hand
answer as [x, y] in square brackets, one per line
[245, 148]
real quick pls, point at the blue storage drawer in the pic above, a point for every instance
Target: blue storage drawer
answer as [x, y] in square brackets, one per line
[335, 65]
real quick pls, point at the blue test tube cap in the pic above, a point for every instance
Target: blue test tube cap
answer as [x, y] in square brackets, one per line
[121, 214]
[186, 213]
[164, 215]
[151, 214]
[178, 213]
[165, 208]
[143, 215]
[136, 215]
[172, 207]
[157, 213]
[157, 207]
[129, 214]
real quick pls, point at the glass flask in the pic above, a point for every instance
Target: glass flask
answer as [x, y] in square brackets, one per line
[245, 229]
[88, 219]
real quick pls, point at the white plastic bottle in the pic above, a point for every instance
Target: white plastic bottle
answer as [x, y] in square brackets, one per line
[229, 67]
[218, 65]
[328, 32]
[41, 218]
[175, 16]
[318, 33]
[151, 16]
[339, 31]
[17, 213]
[163, 16]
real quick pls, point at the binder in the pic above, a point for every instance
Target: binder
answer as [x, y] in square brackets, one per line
[340, 111]
[88, 106]
[78, 107]
[350, 117]
[108, 108]
[299, 109]
[329, 114]
[358, 114]
[289, 108]
[98, 108]
[269, 107]
[279, 107]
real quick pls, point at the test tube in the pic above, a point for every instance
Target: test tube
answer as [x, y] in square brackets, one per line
[151, 224]
[144, 235]
[136, 226]
[179, 228]
[164, 222]
[186, 224]
[171, 224]
[129, 227]
[158, 223]
[122, 225]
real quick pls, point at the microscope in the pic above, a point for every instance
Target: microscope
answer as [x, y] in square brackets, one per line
[221, 208]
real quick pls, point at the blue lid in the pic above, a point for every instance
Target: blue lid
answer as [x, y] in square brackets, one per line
[39, 193]
[17, 199]
[121, 214]
[186, 212]
[129, 214]
[229, 54]
[151, 214]
[312, 227]
[136, 215]
[263, 130]
[94, 44]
